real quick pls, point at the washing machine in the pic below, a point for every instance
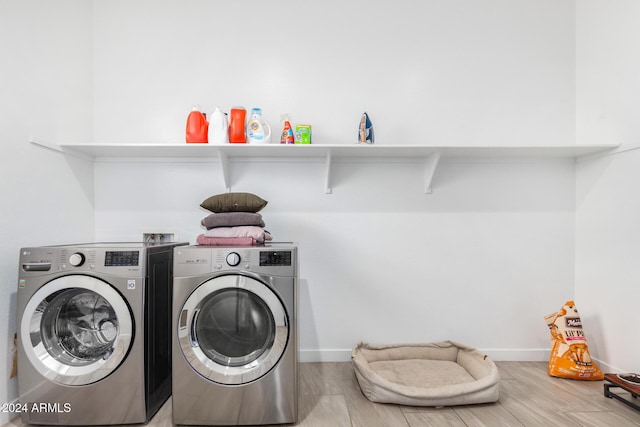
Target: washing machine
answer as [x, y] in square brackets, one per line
[235, 357]
[94, 321]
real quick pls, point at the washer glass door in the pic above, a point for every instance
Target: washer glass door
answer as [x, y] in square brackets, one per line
[76, 330]
[233, 329]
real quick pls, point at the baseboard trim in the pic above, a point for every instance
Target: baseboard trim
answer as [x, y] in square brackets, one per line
[496, 354]
[605, 367]
[518, 354]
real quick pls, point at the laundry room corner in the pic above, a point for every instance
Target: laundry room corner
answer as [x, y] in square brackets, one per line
[607, 205]
[46, 95]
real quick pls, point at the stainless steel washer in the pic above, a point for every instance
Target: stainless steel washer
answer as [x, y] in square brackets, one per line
[235, 356]
[94, 345]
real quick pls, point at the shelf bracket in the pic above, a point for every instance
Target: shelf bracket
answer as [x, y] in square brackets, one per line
[59, 149]
[327, 178]
[431, 163]
[224, 165]
[49, 145]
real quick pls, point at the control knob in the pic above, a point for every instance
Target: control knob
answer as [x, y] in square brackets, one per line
[233, 259]
[76, 259]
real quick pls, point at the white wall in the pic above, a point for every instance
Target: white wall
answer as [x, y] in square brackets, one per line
[482, 260]
[607, 203]
[436, 71]
[45, 198]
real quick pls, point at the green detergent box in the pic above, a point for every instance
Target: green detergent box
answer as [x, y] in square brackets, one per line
[303, 134]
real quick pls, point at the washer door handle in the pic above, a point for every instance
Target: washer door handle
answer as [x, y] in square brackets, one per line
[192, 332]
[184, 315]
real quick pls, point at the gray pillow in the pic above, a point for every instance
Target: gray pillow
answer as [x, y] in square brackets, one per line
[232, 219]
[234, 202]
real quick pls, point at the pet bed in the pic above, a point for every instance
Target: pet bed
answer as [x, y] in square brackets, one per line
[437, 374]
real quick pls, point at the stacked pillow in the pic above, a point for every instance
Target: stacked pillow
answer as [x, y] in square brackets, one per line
[234, 220]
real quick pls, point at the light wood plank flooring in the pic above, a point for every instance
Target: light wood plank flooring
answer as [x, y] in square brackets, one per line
[330, 397]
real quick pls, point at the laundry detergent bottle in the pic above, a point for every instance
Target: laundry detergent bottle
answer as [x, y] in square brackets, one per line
[237, 133]
[197, 127]
[258, 129]
[218, 128]
[287, 131]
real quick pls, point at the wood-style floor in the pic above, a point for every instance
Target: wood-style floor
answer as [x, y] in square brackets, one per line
[330, 397]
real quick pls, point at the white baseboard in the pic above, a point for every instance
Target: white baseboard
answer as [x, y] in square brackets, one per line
[606, 368]
[496, 354]
[517, 354]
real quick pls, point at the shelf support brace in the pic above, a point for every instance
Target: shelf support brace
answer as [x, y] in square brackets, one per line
[224, 165]
[49, 145]
[327, 178]
[56, 147]
[431, 163]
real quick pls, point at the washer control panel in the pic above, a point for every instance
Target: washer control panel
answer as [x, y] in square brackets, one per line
[275, 259]
[266, 259]
[120, 259]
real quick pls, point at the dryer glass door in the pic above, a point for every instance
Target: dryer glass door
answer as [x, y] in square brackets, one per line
[76, 330]
[235, 329]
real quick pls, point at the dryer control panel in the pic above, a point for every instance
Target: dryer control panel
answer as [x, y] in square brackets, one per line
[273, 260]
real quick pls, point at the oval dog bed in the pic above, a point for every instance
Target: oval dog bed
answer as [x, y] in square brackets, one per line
[437, 374]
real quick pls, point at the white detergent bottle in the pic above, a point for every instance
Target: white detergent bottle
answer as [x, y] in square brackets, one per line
[218, 128]
[258, 129]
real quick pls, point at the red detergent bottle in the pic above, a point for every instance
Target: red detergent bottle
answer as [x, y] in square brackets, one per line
[197, 127]
[237, 134]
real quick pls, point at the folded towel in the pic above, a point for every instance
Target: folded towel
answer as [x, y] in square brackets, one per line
[225, 241]
[254, 232]
[232, 219]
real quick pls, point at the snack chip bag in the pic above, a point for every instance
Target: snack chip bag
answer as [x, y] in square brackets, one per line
[570, 356]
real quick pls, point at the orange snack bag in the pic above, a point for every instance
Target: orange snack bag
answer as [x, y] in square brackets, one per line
[570, 356]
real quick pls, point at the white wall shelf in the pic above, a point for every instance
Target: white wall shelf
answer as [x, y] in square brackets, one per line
[328, 154]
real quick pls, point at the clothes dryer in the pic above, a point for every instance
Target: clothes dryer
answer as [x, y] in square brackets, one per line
[235, 356]
[94, 345]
